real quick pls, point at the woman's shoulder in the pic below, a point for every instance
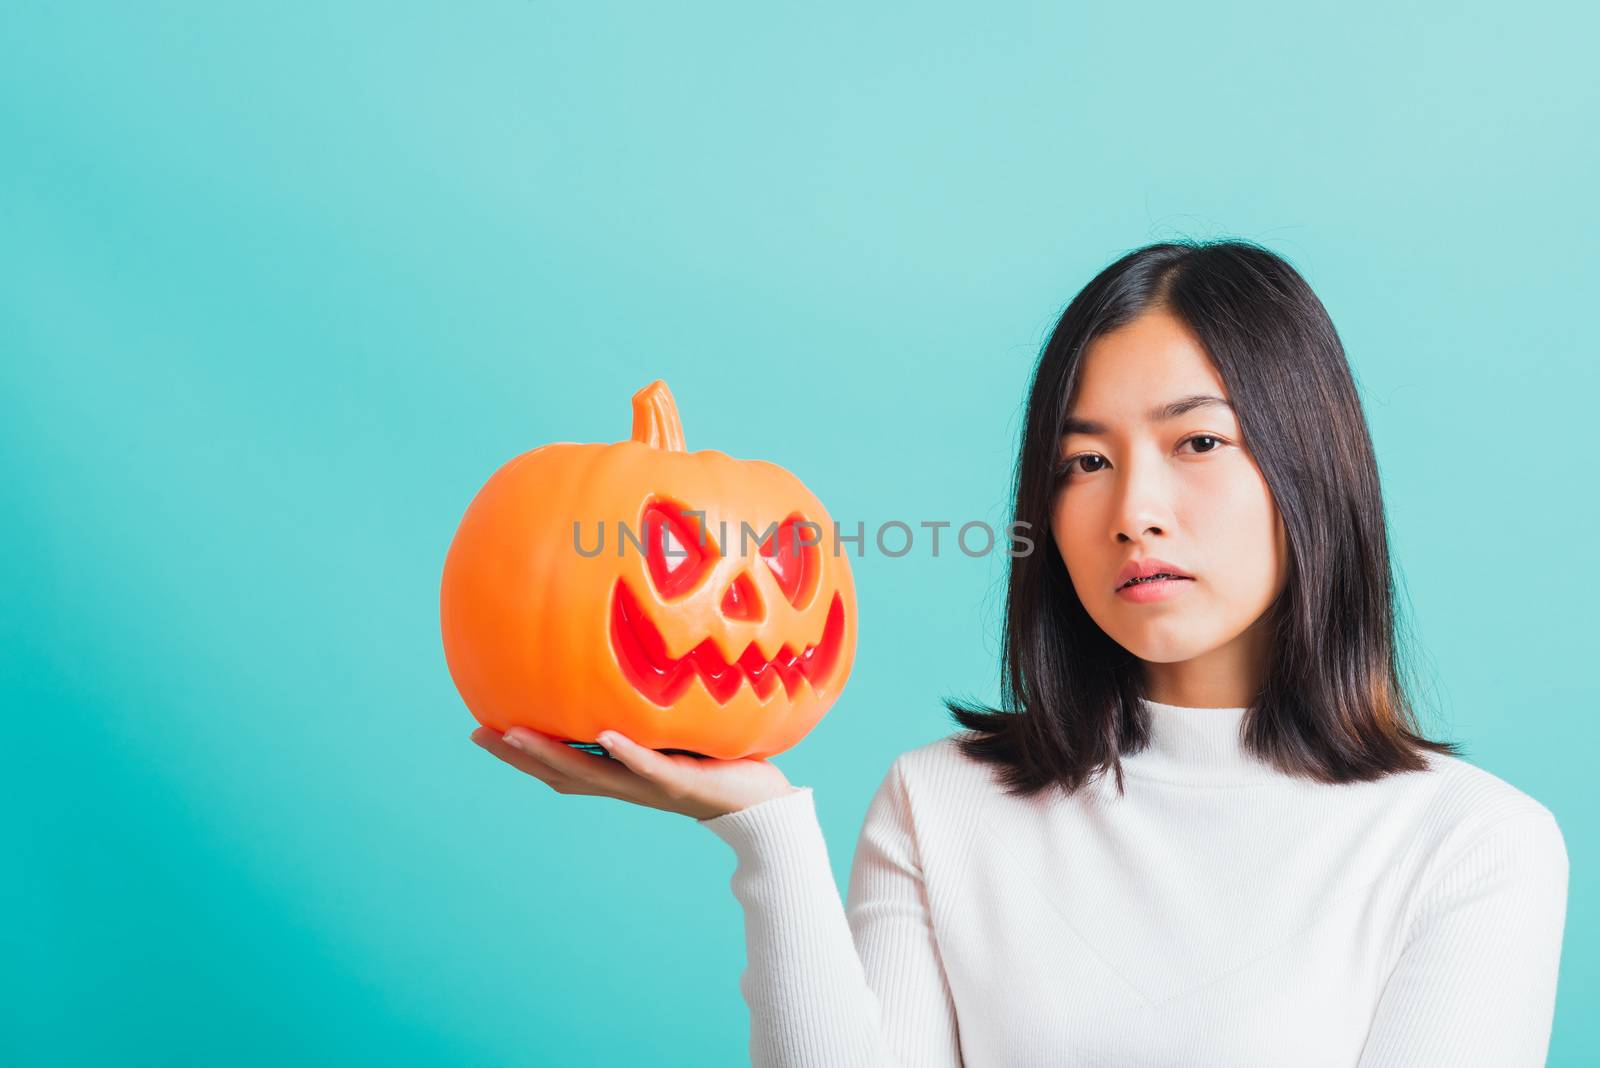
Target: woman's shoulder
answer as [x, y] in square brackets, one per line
[1472, 793]
[942, 786]
[942, 766]
[1471, 807]
[938, 797]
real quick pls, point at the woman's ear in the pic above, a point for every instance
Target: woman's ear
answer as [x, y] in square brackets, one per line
[1282, 541]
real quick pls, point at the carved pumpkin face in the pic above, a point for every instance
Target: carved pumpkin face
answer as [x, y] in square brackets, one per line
[688, 600]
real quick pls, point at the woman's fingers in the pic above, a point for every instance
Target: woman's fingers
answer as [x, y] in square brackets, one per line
[688, 783]
[552, 762]
[496, 743]
[566, 769]
[644, 762]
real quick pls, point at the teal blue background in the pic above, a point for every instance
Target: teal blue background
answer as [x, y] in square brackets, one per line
[284, 283]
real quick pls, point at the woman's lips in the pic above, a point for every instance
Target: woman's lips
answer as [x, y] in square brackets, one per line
[1154, 590]
[1148, 567]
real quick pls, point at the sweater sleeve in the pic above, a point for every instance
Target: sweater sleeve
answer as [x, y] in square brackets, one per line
[1475, 984]
[826, 986]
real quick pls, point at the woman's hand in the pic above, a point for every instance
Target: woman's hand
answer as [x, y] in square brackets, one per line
[701, 787]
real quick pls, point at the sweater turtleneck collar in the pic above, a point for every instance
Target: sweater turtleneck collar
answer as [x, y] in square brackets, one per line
[1197, 745]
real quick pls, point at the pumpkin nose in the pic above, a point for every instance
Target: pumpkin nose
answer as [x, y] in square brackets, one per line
[741, 601]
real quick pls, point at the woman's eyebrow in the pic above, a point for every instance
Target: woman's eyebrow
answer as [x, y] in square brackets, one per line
[1159, 414]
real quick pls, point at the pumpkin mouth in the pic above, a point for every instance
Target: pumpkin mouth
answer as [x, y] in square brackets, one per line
[642, 653]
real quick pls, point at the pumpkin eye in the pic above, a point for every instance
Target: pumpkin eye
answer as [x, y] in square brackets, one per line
[678, 552]
[792, 559]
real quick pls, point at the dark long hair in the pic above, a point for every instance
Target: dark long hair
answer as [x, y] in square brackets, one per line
[1333, 706]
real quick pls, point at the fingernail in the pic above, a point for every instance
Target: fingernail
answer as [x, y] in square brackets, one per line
[606, 739]
[513, 740]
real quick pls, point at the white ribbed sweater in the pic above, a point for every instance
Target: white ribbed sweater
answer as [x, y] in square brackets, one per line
[1220, 913]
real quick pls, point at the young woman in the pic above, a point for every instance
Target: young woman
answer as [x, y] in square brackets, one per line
[1205, 829]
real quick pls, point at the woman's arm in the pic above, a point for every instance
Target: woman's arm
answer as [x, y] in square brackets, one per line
[828, 987]
[1476, 982]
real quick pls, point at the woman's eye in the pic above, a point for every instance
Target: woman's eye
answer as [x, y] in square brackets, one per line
[1072, 467]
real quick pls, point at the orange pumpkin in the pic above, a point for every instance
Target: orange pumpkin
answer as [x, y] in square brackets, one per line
[687, 630]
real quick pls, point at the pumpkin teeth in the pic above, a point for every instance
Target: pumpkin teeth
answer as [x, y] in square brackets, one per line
[662, 678]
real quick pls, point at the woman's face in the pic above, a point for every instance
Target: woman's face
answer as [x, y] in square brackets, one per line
[1181, 489]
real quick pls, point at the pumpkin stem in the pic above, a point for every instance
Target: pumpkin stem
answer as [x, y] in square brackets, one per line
[655, 418]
